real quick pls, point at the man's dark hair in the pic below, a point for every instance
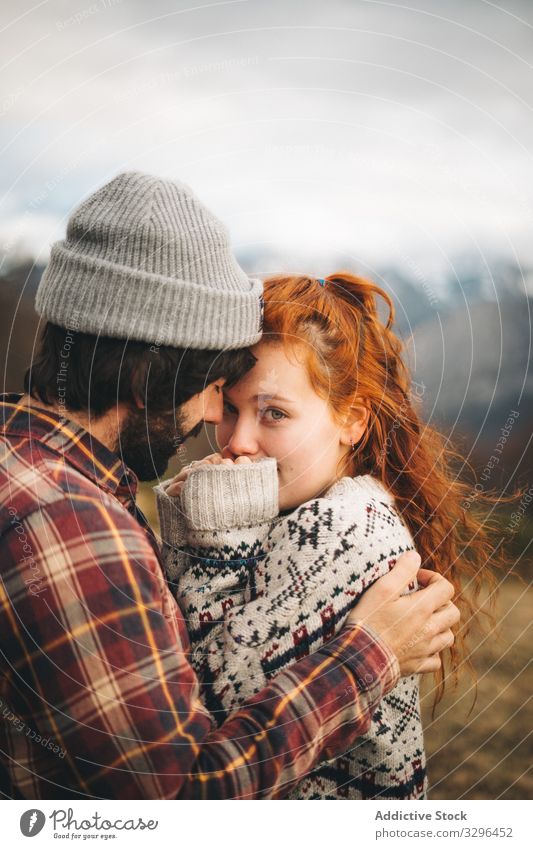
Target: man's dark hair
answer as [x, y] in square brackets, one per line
[91, 373]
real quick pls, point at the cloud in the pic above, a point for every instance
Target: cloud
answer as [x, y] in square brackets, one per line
[355, 126]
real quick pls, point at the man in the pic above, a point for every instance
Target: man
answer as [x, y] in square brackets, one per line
[148, 314]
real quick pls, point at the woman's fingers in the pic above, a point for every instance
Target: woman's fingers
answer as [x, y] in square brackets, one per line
[178, 481]
[182, 475]
[213, 459]
[175, 488]
[226, 454]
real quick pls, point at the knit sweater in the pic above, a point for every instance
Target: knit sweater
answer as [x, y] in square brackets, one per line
[259, 590]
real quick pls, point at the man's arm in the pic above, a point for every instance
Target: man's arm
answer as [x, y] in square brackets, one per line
[101, 656]
[416, 627]
[311, 712]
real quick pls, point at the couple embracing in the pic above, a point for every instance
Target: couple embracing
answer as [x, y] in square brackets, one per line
[270, 645]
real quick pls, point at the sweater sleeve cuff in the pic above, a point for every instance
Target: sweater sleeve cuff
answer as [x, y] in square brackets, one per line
[171, 519]
[231, 496]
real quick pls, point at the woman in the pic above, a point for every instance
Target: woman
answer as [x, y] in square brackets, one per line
[327, 474]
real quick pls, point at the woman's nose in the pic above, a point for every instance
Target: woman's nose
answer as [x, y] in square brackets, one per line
[243, 441]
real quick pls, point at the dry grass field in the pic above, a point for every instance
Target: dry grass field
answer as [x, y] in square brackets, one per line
[487, 752]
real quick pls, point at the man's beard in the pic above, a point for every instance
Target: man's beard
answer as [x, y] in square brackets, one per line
[148, 441]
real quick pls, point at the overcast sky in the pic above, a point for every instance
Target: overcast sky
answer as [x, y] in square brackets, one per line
[380, 129]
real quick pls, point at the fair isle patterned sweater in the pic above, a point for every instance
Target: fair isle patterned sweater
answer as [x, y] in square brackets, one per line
[259, 591]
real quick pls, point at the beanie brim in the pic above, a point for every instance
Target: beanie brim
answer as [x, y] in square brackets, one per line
[102, 298]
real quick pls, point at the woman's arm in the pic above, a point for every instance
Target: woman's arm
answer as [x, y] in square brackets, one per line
[221, 520]
[317, 562]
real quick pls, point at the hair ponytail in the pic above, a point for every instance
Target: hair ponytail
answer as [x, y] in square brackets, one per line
[358, 290]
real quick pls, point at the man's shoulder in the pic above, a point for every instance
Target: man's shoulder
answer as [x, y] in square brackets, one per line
[34, 478]
[66, 522]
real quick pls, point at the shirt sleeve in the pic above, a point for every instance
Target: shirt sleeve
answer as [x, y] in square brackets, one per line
[102, 657]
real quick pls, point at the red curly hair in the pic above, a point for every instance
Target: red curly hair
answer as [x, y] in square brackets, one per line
[352, 356]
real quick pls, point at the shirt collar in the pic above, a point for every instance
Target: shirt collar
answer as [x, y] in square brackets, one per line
[68, 439]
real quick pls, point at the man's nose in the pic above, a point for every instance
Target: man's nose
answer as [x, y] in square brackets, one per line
[214, 409]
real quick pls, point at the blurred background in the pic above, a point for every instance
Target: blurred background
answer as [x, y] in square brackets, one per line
[393, 140]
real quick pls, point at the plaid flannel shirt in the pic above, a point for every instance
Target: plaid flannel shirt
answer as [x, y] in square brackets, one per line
[97, 696]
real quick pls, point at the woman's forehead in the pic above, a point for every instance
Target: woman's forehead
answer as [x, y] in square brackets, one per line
[279, 371]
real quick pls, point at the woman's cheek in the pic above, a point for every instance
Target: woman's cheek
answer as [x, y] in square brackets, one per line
[278, 446]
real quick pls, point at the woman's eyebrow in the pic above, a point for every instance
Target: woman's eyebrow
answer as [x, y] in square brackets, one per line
[262, 396]
[271, 397]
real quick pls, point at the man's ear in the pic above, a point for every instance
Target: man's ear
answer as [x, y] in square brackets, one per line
[356, 424]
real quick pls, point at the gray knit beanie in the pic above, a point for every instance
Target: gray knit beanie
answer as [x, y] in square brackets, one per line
[144, 259]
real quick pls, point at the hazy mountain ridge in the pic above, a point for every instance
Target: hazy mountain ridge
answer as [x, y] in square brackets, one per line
[468, 337]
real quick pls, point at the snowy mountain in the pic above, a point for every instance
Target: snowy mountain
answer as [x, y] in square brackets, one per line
[467, 328]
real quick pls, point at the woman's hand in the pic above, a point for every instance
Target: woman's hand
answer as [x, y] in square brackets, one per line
[416, 626]
[177, 484]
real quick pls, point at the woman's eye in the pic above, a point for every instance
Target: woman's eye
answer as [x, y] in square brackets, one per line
[274, 415]
[229, 408]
